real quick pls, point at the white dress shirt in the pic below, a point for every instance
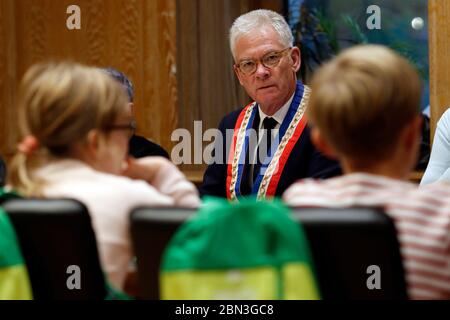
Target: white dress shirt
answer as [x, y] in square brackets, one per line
[279, 117]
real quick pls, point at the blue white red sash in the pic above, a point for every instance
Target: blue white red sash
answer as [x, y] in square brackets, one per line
[272, 167]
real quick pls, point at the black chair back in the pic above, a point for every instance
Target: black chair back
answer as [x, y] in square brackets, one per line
[344, 243]
[350, 245]
[55, 235]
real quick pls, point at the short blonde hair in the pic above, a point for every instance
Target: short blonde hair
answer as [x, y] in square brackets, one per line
[363, 99]
[59, 103]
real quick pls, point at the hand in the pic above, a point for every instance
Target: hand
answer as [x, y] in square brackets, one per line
[145, 168]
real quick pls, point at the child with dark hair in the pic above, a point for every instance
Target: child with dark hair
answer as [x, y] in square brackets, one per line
[2, 172]
[139, 146]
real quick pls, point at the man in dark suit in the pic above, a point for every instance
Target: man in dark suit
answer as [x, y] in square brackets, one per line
[138, 146]
[271, 146]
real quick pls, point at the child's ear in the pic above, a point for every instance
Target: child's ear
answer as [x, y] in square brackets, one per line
[321, 144]
[131, 108]
[93, 141]
[413, 132]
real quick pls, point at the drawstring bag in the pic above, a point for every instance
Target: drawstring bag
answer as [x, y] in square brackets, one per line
[14, 280]
[244, 250]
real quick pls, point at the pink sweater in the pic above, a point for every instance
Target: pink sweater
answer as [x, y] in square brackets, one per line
[110, 199]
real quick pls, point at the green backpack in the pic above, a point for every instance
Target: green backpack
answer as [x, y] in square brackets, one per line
[245, 250]
[14, 281]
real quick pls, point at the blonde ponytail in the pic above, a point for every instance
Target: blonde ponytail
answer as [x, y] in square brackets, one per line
[59, 103]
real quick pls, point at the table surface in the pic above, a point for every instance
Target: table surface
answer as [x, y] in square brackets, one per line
[196, 176]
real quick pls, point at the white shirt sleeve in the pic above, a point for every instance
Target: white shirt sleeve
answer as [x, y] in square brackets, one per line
[439, 164]
[172, 183]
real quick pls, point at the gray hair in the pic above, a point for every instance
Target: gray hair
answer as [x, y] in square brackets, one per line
[258, 18]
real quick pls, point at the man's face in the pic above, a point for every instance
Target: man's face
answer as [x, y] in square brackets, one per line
[270, 87]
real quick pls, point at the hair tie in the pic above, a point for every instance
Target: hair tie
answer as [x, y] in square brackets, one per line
[28, 145]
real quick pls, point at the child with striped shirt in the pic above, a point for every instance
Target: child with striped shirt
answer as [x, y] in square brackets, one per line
[364, 110]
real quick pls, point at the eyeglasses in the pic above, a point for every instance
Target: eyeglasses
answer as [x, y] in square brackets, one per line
[131, 127]
[269, 60]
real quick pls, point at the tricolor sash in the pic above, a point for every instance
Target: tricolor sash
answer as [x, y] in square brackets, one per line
[272, 167]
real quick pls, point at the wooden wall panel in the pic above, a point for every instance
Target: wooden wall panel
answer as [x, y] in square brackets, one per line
[160, 54]
[188, 60]
[275, 5]
[8, 75]
[208, 88]
[439, 46]
[181, 68]
[137, 37]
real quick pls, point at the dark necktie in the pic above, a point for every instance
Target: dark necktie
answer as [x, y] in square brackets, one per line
[266, 140]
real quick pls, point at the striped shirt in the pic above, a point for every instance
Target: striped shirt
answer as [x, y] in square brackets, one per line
[421, 217]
